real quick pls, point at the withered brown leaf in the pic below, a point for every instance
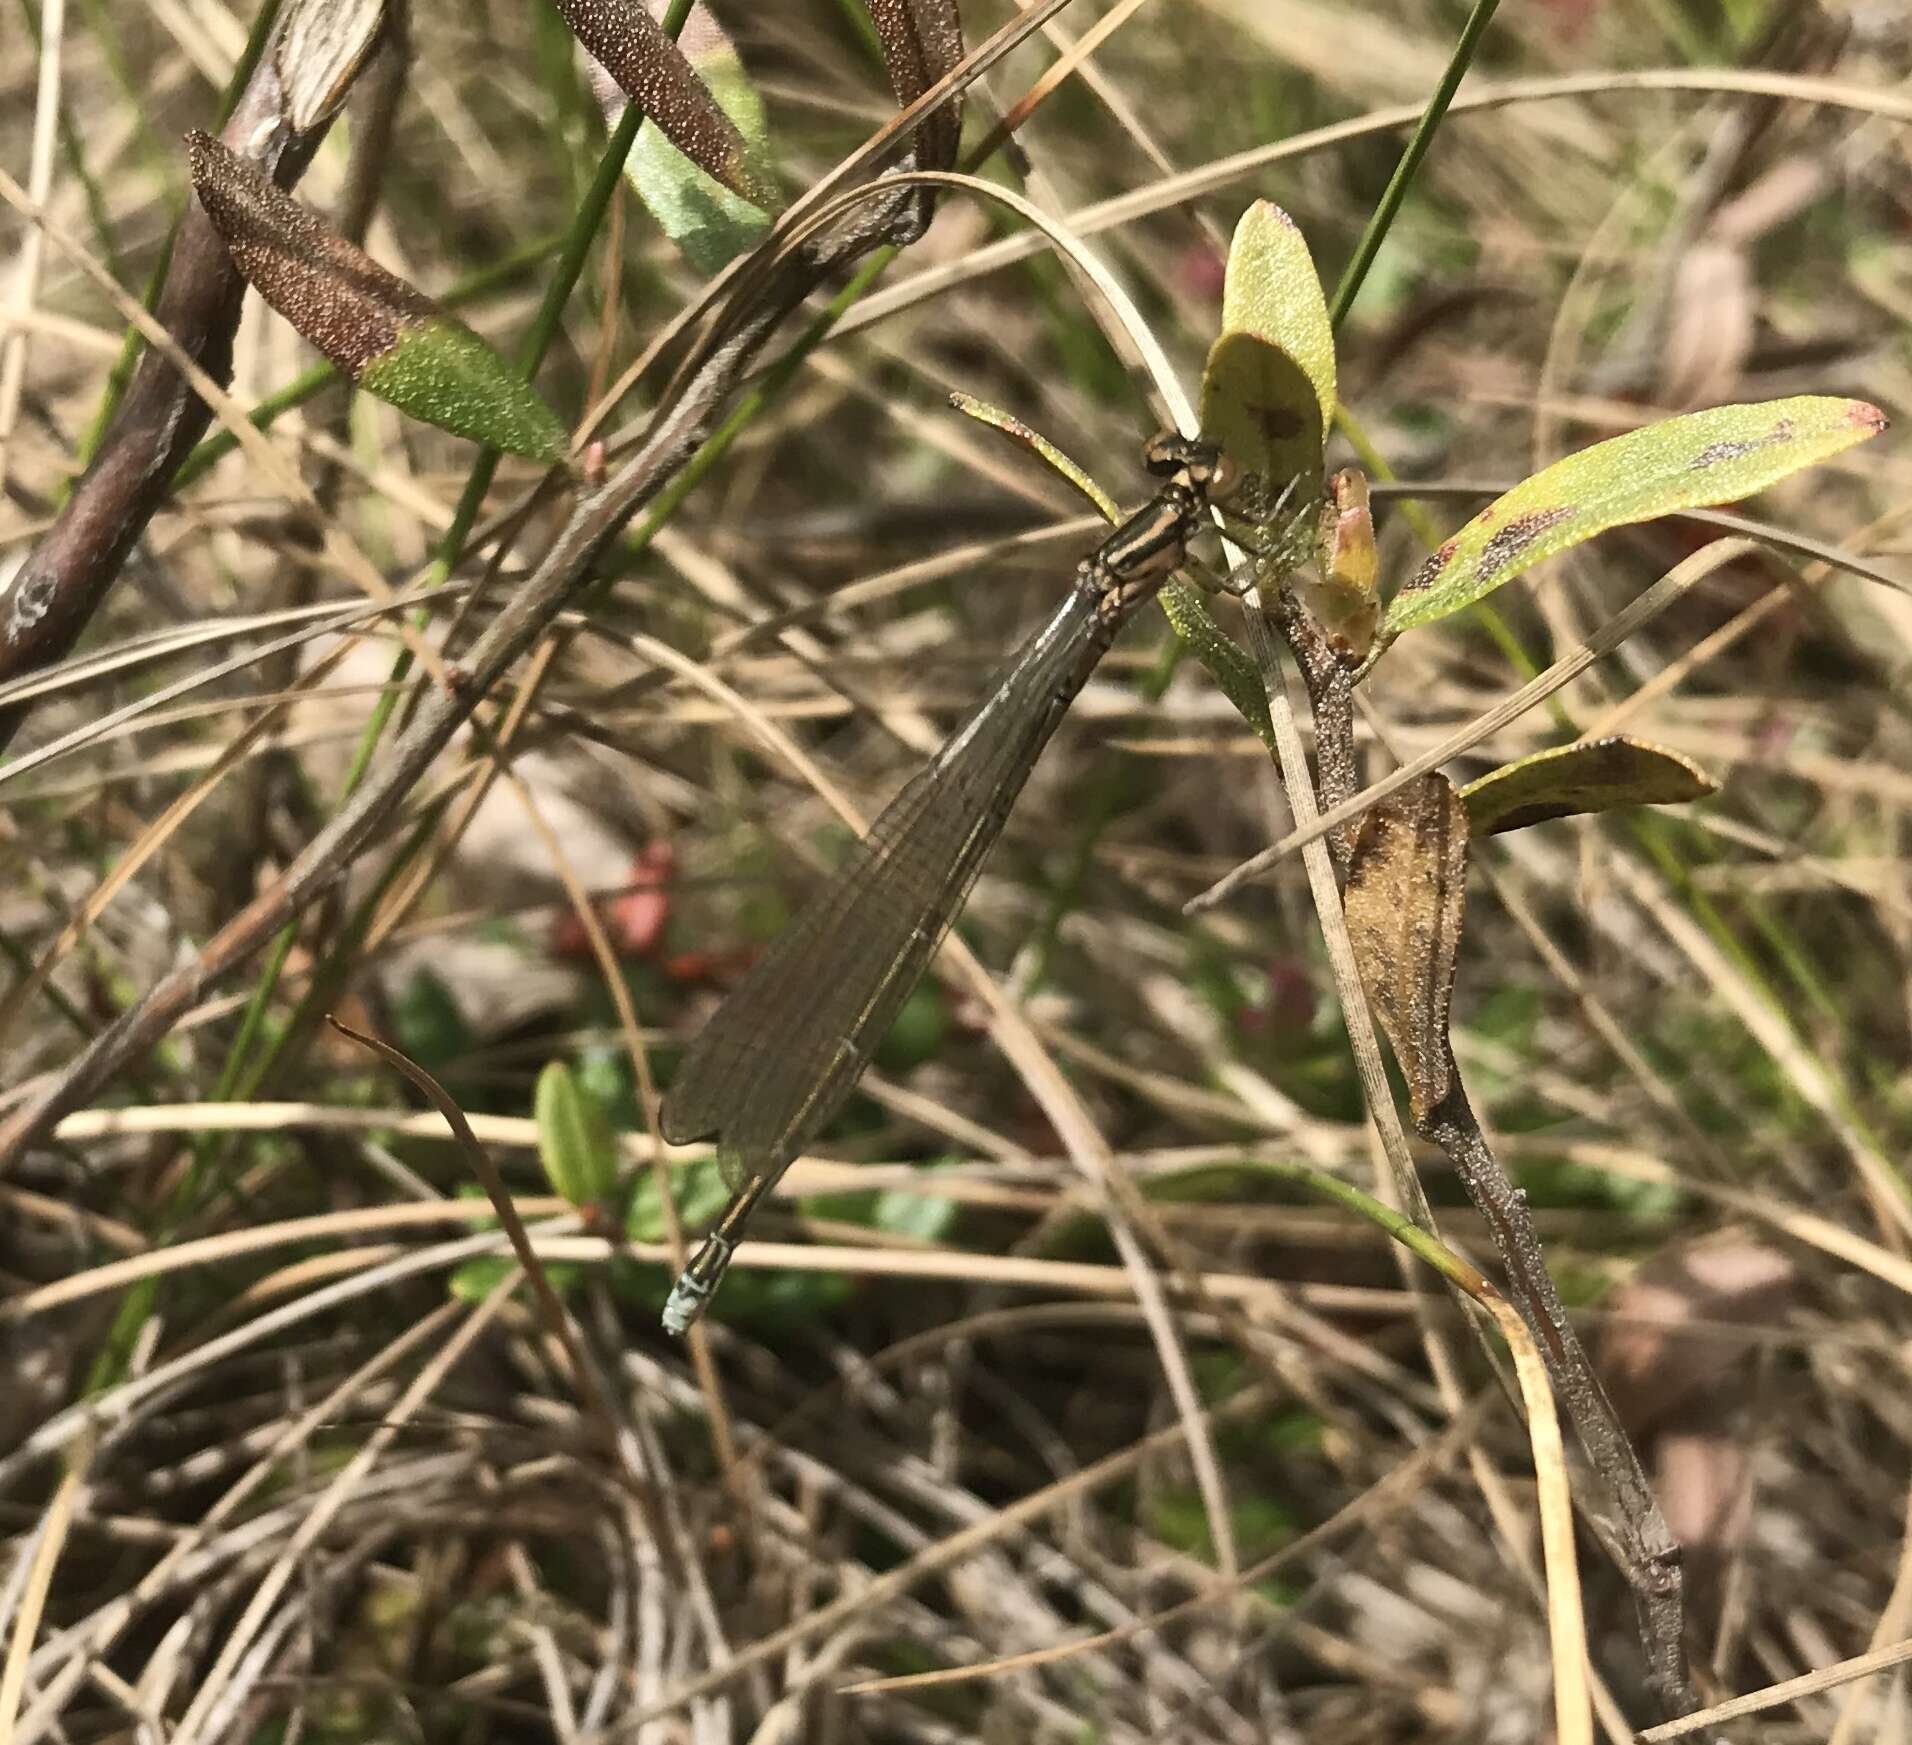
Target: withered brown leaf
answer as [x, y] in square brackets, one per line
[1405, 895]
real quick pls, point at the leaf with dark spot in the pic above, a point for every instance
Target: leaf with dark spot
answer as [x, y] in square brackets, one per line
[1694, 462]
[1405, 897]
[1593, 775]
[1268, 390]
[385, 335]
[653, 72]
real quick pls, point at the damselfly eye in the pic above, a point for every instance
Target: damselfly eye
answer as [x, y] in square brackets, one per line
[1224, 478]
[1166, 454]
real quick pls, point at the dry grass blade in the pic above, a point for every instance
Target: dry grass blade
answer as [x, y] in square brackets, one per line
[55, 1525]
[557, 1321]
[1788, 1691]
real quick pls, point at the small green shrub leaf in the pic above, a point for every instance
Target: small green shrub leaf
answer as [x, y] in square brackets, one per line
[1694, 462]
[708, 223]
[1268, 391]
[1237, 676]
[920, 1217]
[575, 1142]
[701, 1193]
[428, 1023]
[655, 73]
[477, 1279]
[387, 336]
[1594, 775]
[443, 373]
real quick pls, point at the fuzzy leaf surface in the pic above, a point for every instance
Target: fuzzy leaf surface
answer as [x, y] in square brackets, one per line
[1569, 781]
[1693, 462]
[1405, 899]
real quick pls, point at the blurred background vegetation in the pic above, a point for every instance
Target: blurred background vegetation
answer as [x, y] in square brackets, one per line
[1689, 1035]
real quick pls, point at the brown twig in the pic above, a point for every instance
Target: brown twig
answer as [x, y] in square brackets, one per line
[1636, 1533]
[160, 420]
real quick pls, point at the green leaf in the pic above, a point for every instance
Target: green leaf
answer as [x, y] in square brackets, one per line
[921, 1217]
[1593, 775]
[428, 1024]
[1268, 391]
[709, 224]
[477, 1279]
[1028, 437]
[1702, 459]
[701, 1194]
[920, 1030]
[442, 372]
[1238, 677]
[575, 1142]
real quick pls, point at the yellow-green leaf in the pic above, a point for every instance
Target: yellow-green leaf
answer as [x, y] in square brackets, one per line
[1027, 436]
[1237, 676]
[575, 1142]
[1268, 392]
[1592, 775]
[1694, 462]
[442, 372]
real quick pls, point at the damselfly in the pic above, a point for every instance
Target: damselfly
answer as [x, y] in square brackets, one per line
[782, 1054]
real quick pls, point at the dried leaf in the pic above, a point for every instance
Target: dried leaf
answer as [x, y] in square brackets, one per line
[653, 72]
[706, 221]
[387, 336]
[1592, 775]
[1405, 896]
[1676, 1330]
[922, 40]
[318, 51]
[1704, 458]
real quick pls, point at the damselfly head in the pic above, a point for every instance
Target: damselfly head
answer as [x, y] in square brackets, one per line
[1171, 453]
[1201, 464]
